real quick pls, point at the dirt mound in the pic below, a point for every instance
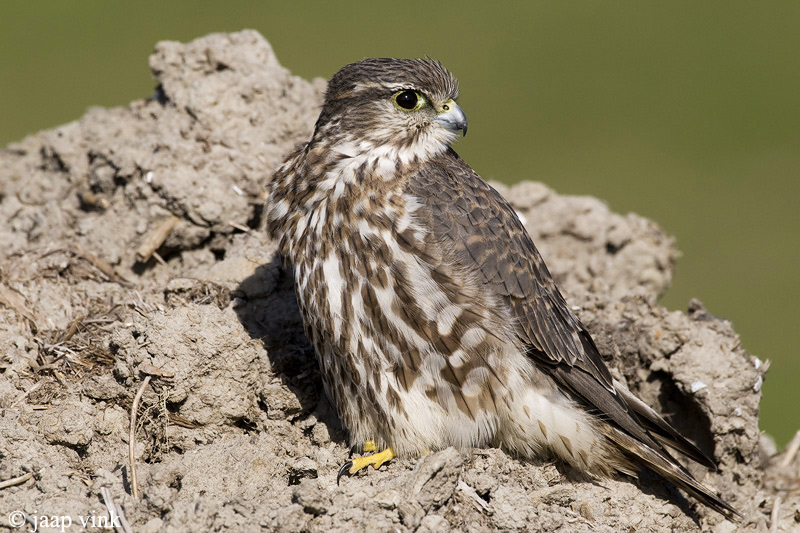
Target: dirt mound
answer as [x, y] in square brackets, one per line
[133, 262]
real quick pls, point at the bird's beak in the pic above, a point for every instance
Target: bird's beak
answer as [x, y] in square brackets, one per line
[452, 117]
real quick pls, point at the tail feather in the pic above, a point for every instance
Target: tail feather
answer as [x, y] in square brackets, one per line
[662, 464]
[639, 432]
[661, 430]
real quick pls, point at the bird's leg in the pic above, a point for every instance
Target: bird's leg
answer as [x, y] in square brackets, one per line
[374, 460]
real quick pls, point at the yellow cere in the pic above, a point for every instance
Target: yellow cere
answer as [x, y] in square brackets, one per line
[447, 106]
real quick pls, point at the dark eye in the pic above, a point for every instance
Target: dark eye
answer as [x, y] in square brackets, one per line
[407, 99]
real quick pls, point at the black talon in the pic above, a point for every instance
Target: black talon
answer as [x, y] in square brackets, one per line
[344, 469]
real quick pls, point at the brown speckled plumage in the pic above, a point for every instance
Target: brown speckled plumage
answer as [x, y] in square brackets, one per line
[434, 318]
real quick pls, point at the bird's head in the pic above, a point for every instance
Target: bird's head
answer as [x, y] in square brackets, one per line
[400, 108]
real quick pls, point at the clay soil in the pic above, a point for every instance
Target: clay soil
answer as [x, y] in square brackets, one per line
[134, 261]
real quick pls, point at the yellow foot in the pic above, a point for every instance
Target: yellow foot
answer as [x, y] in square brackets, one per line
[375, 460]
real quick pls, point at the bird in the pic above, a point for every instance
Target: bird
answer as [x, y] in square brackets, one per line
[434, 319]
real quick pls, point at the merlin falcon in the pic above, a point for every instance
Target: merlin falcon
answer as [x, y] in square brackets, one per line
[434, 318]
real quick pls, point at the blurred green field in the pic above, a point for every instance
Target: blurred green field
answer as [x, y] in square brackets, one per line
[684, 112]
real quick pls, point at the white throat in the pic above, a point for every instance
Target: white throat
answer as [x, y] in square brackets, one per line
[385, 158]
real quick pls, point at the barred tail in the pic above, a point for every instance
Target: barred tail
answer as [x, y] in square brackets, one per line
[664, 465]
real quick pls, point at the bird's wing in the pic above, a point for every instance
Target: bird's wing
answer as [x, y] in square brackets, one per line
[474, 224]
[479, 228]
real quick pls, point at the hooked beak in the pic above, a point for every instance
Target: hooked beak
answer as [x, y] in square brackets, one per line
[452, 117]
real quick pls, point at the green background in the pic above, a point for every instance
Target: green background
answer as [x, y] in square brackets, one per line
[685, 112]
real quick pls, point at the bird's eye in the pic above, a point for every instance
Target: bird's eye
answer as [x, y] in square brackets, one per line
[408, 99]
